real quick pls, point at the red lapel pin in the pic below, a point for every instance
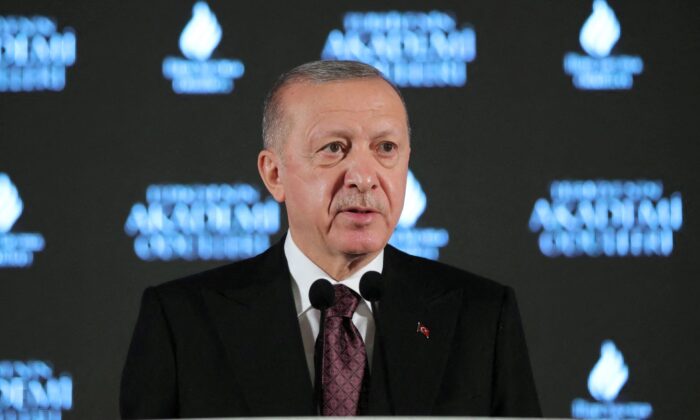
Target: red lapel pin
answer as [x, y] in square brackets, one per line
[423, 330]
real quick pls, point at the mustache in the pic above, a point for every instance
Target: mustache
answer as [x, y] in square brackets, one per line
[363, 200]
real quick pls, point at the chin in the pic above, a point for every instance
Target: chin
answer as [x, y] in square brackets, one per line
[361, 244]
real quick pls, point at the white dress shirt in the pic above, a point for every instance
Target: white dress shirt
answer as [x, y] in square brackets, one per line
[304, 272]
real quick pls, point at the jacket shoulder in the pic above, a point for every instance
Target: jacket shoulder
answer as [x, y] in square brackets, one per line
[435, 274]
[239, 275]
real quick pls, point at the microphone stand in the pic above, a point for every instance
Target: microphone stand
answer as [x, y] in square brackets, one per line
[322, 297]
[379, 342]
[319, 348]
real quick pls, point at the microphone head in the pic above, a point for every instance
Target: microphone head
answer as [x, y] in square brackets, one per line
[322, 294]
[371, 286]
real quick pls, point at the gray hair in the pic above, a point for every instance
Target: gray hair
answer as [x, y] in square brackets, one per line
[314, 72]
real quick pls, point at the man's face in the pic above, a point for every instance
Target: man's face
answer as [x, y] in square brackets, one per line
[344, 164]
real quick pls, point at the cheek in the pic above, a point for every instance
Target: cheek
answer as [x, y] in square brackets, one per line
[312, 193]
[397, 205]
[395, 191]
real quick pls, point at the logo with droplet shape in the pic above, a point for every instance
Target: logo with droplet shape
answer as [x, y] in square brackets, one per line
[599, 70]
[202, 33]
[16, 249]
[11, 205]
[422, 242]
[601, 31]
[608, 376]
[198, 73]
[414, 203]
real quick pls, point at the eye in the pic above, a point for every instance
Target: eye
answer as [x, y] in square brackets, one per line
[387, 147]
[332, 152]
[335, 147]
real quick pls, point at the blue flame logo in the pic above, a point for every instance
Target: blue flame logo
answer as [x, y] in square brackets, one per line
[11, 205]
[601, 30]
[202, 33]
[609, 375]
[414, 203]
[422, 242]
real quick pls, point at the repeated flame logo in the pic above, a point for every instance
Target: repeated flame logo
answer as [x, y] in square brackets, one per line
[11, 205]
[609, 374]
[601, 30]
[414, 203]
[202, 33]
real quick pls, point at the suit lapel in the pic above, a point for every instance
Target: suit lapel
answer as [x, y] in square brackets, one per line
[259, 330]
[415, 364]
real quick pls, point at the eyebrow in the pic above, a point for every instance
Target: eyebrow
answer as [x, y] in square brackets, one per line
[385, 133]
[332, 132]
[347, 133]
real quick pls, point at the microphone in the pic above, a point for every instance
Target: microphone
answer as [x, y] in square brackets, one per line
[372, 289]
[322, 296]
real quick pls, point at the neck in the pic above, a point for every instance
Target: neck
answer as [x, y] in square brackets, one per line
[345, 266]
[339, 266]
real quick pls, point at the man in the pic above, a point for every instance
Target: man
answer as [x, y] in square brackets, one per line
[240, 340]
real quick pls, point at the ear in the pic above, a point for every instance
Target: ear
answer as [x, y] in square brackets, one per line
[269, 166]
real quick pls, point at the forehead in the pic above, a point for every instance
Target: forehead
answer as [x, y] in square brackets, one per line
[362, 100]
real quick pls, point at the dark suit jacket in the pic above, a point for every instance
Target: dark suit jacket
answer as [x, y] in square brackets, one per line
[227, 342]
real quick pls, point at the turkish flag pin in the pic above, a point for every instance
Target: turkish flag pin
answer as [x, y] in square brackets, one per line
[423, 330]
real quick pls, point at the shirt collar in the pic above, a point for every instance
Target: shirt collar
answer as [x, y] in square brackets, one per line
[304, 272]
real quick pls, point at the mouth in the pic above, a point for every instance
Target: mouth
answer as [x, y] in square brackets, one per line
[358, 216]
[358, 210]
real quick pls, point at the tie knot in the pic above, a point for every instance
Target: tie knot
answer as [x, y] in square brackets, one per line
[346, 302]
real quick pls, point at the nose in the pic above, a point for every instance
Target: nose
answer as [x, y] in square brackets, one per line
[361, 172]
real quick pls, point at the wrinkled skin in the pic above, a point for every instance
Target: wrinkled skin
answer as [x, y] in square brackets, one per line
[340, 170]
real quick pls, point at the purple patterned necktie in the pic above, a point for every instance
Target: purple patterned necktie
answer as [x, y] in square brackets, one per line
[344, 373]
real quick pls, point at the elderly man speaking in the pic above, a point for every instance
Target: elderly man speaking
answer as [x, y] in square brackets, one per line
[331, 320]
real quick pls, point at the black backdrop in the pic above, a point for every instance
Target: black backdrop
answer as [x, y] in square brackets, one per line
[483, 153]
